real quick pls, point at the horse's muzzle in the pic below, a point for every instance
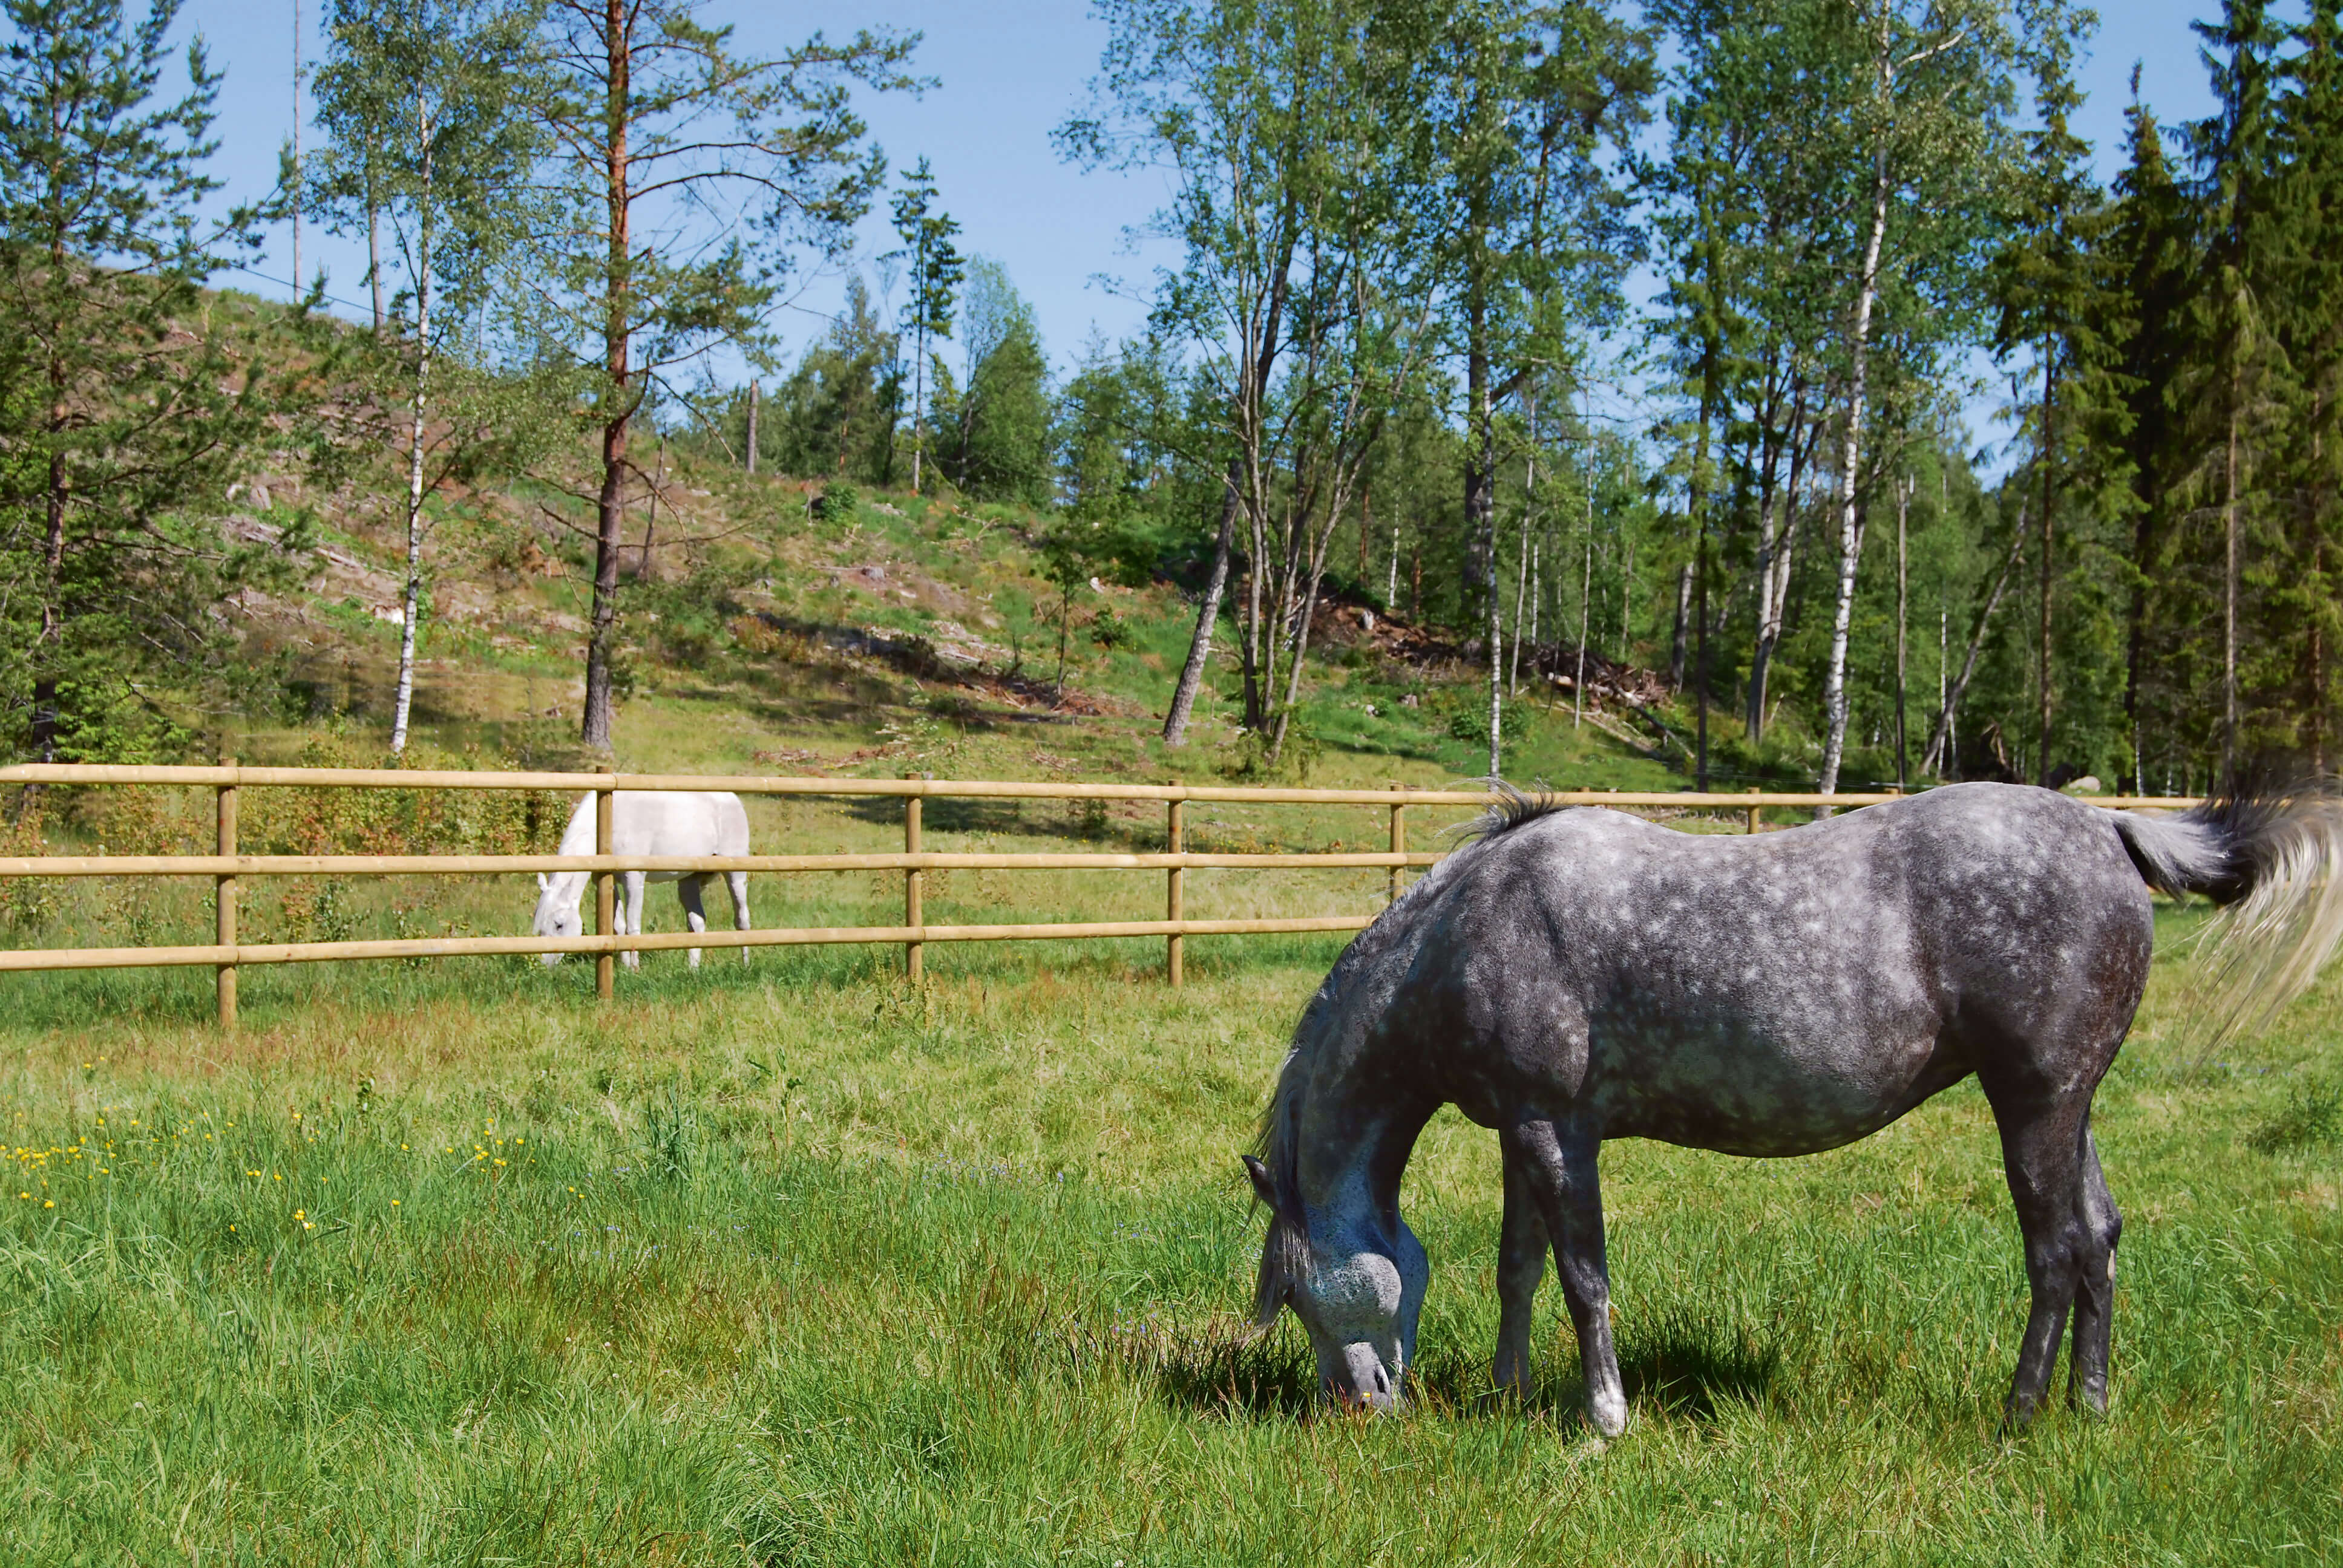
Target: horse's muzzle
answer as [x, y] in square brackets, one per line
[1362, 1383]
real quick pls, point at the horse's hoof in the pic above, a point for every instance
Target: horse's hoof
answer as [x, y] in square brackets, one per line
[1607, 1413]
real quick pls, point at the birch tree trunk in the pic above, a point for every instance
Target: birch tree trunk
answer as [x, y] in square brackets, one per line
[1774, 546]
[403, 706]
[1200, 643]
[1850, 535]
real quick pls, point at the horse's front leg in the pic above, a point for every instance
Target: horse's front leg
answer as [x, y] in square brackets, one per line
[1521, 1266]
[1559, 1166]
[630, 913]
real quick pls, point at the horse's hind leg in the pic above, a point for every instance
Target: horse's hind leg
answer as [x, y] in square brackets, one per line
[2095, 1284]
[695, 912]
[738, 881]
[1559, 1167]
[1521, 1265]
[2041, 1150]
[630, 917]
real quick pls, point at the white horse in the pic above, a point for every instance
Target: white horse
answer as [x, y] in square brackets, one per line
[650, 822]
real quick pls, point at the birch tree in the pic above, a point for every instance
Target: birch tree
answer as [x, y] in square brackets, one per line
[1531, 102]
[421, 100]
[1928, 85]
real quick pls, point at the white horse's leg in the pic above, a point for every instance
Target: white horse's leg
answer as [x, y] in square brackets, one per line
[740, 882]
[687, 893]
[630, 914]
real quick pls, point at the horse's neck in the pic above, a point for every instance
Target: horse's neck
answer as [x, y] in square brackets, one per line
[569, 887]
[1354, 1153]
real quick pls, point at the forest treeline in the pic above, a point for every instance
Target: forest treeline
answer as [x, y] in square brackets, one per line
[1663, 332]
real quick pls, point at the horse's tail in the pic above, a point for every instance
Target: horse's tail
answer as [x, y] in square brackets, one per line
[2273, 858]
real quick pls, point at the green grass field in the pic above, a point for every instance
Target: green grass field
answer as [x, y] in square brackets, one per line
[791, 1263]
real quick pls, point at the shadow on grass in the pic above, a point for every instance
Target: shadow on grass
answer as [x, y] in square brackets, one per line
[1688, 1370]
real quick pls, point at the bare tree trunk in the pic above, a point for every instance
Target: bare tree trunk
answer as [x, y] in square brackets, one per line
[402, 705]
[1850, 538]
[1683, 627]
[1774, 556]
[2049, 550]
[374, 251]
[1951, 704]
[1200, 643]
[756, 396]
[611, 505]
[1902, 614]
[1521, 603]
[2229, 596]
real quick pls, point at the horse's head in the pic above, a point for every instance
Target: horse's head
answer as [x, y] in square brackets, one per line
[1356, 1282]
[557, 911]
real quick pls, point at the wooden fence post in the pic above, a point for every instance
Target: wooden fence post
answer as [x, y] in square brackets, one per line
[913, 916]
[224, 899]
[1398, 846]
[1173, 890]
[1752, 811]
[606, 889]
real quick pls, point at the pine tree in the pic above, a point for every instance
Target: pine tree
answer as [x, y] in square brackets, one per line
[936, 270]
[137, 400]
[659, 128]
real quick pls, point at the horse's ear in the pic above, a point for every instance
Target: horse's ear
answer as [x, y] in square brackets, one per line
[540, 881]
[1263, 1187]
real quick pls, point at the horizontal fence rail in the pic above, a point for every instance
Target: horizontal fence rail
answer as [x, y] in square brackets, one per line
[228, 955]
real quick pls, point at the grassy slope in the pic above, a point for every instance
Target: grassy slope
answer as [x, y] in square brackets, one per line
[788, 1262]
[791, 1260]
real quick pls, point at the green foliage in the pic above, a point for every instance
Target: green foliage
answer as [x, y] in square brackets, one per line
[130, 400]
[838, 502]
[994, 437]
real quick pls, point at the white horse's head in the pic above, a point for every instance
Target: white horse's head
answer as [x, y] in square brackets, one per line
[556, 909]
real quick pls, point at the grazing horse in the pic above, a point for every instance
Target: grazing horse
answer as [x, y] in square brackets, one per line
[650, 822]
[1576, 975]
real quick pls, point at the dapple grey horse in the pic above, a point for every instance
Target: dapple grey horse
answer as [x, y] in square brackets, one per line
[650, 822]
[1577, 975]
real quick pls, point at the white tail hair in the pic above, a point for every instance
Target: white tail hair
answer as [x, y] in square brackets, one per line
[2274, 860]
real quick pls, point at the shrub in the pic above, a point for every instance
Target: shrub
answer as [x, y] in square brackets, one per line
[2311, 1117]
[837, 502]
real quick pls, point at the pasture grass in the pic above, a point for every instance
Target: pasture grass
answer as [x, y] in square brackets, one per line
[788, 1262]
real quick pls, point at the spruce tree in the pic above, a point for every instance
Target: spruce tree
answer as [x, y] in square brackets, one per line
[2152, 251]
[2060, 304]
[2235, 378]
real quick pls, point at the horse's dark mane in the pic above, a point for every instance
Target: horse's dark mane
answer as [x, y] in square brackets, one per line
[1285, 1251]
[1510, 809]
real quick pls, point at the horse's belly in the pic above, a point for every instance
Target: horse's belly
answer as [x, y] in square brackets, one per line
[1742, 1091]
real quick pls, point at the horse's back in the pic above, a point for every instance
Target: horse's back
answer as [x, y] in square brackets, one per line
[663, 822]
[1788, 990]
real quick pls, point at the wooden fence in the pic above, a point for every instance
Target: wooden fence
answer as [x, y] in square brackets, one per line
[226, 955]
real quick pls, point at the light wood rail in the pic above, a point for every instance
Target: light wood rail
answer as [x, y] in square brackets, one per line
[228, 955]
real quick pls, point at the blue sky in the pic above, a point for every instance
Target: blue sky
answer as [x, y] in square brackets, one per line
[1011, 70]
